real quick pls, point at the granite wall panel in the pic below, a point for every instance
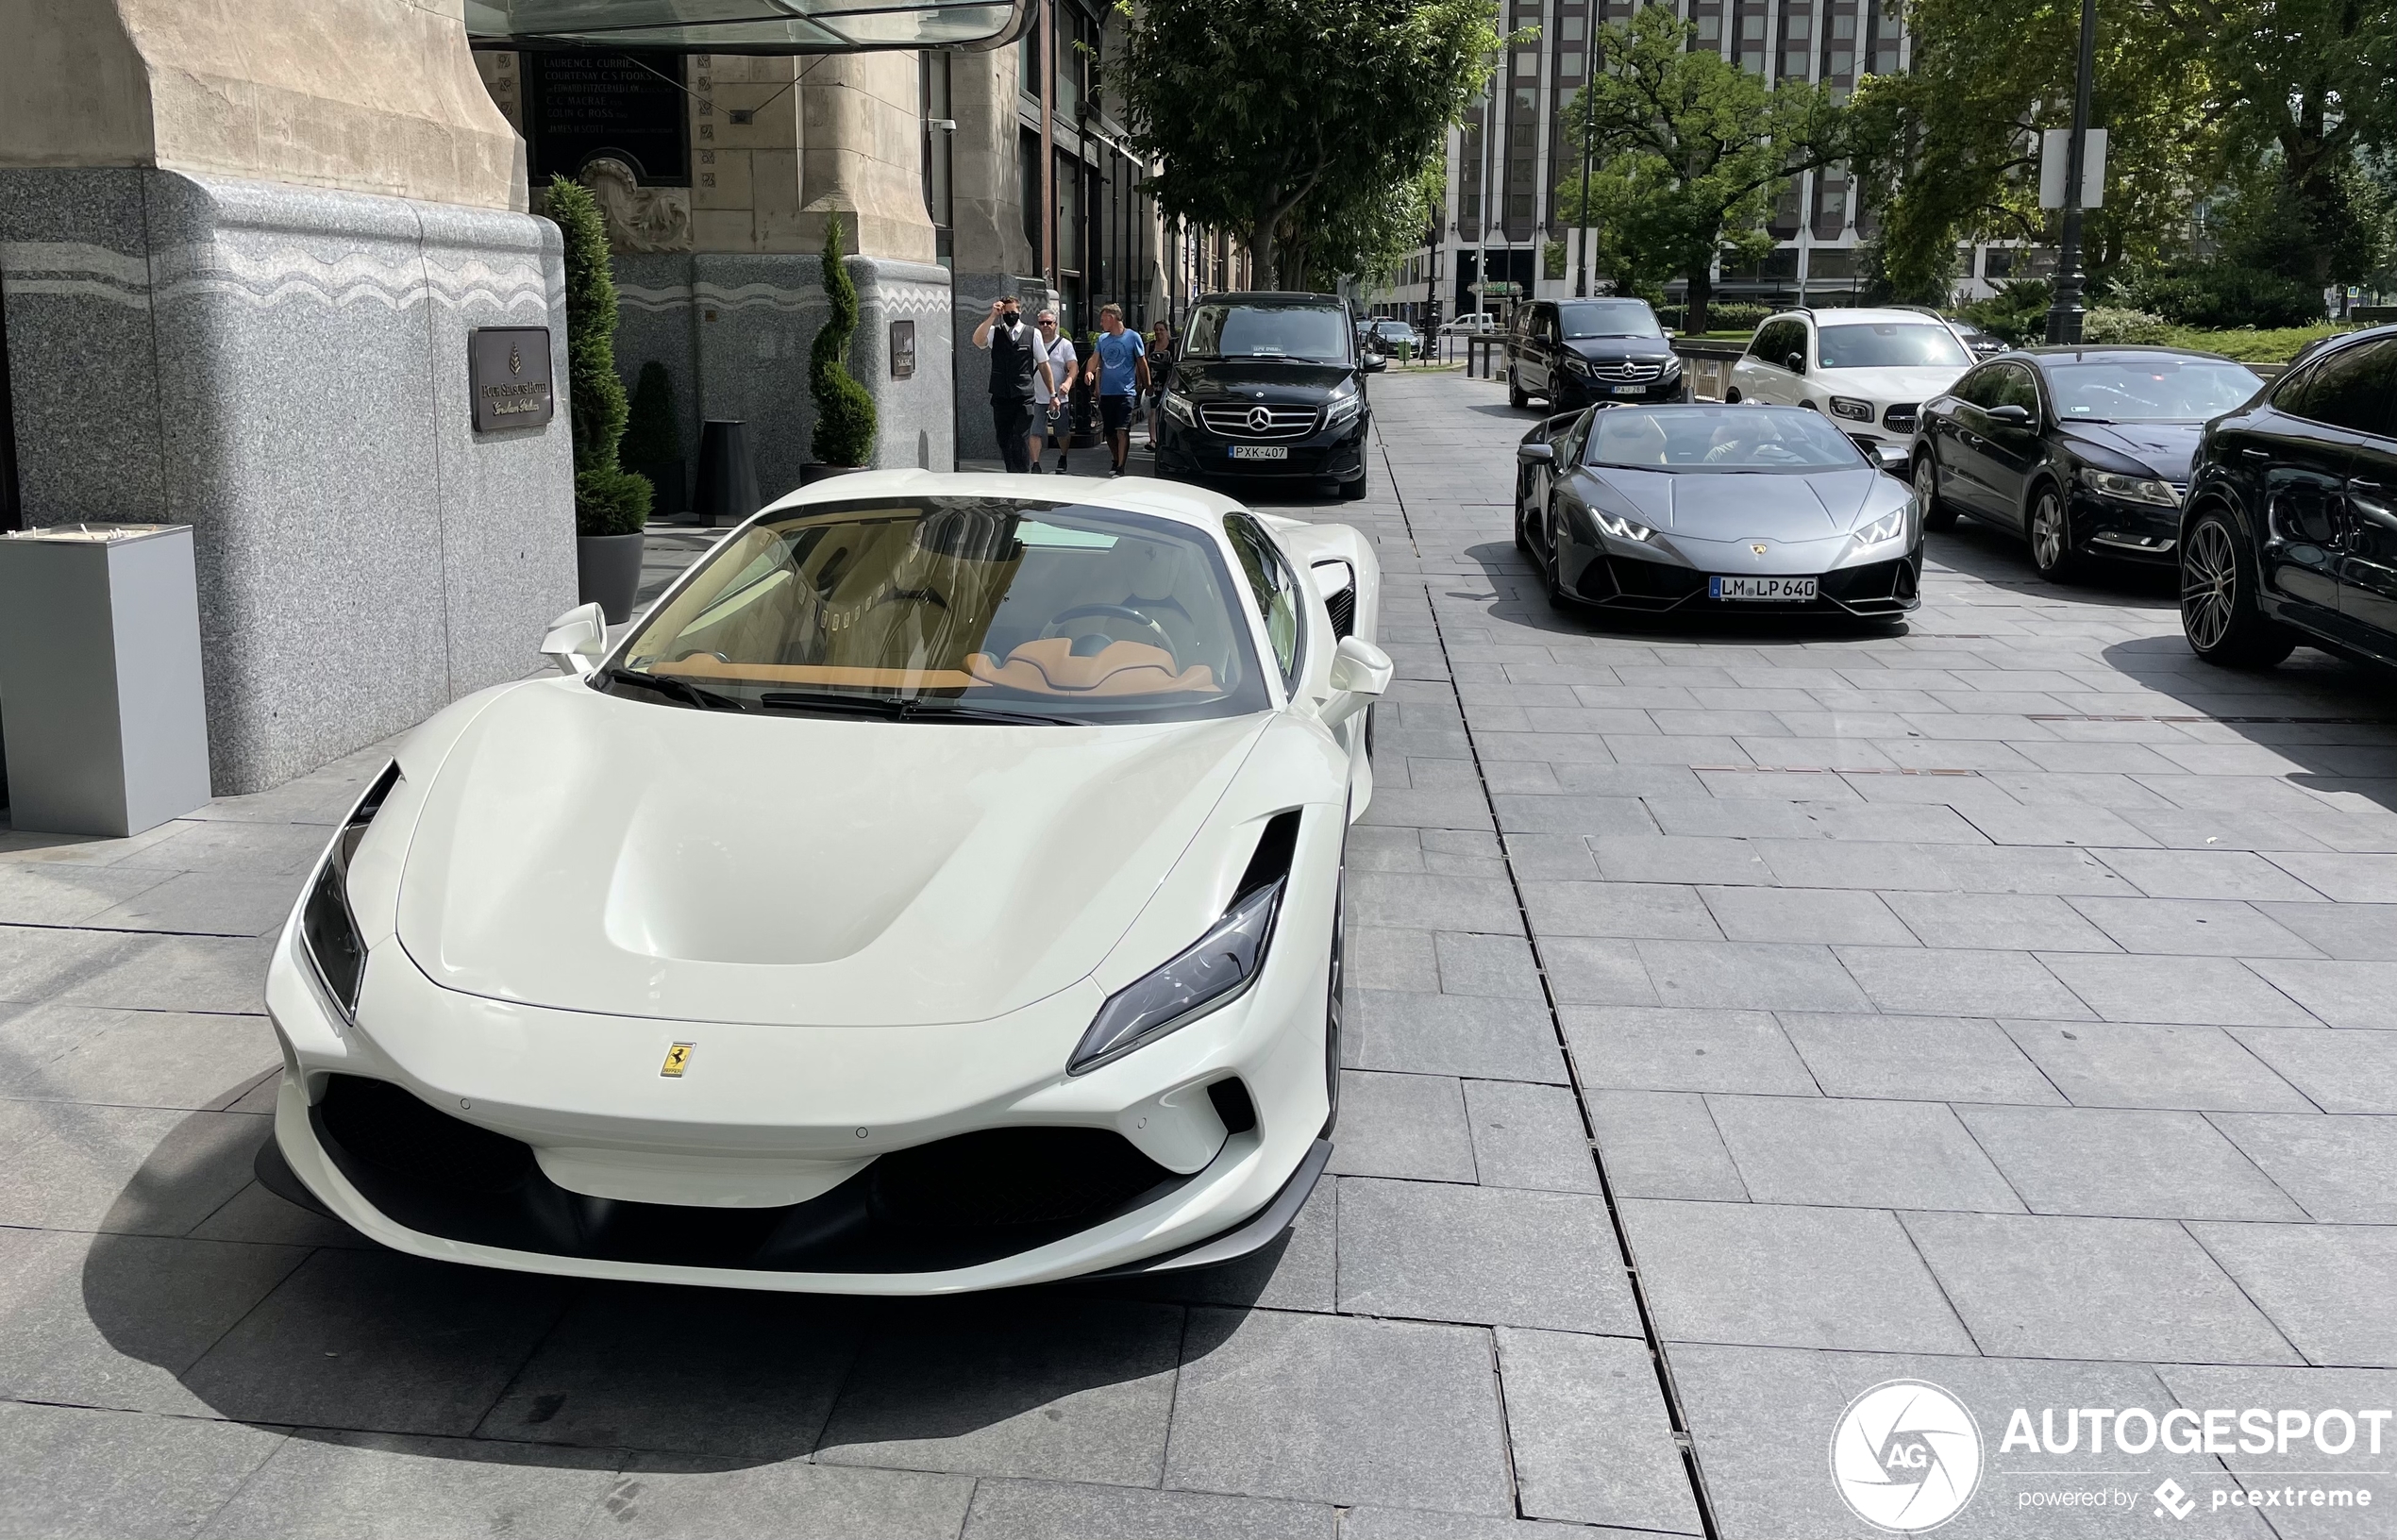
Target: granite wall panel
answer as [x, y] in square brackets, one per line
[285, 372]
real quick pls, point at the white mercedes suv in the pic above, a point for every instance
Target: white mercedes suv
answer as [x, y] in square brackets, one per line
[1871, 370]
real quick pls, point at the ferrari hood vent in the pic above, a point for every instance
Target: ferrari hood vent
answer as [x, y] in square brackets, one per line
[1271, 862]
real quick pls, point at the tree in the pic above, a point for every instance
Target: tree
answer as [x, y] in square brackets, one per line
[1365, 234]
[1694, 149]
[1291, 117]
[609, 499]
[845, 424]
[2198, 98]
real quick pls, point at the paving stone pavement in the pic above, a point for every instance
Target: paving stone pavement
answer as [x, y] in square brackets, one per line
[1742, 1017]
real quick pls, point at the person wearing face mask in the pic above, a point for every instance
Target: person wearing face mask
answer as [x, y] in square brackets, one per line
[1048, 416]
[1017, 361]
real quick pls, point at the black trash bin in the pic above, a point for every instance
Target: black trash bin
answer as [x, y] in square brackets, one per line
[728, 477]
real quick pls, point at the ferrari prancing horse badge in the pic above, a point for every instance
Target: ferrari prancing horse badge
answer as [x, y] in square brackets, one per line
[678, 1060]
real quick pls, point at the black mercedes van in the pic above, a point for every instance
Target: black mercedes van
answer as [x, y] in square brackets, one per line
[1266, 384]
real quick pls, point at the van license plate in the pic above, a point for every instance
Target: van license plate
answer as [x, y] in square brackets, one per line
[1261, 451]
[1771, 590]
[1630, 389]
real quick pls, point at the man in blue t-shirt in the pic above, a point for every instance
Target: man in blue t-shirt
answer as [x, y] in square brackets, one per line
[1120, 365]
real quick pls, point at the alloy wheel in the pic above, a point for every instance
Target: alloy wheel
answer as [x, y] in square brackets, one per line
[2046, 533]
[2210, 586]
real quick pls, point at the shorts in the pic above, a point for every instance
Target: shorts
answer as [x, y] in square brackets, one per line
[1114, 412]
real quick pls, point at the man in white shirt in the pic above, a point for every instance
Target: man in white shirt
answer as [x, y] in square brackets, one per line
[1050, 410]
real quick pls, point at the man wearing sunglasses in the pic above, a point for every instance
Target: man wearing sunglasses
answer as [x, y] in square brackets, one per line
[1048, 407]
[1017, 364]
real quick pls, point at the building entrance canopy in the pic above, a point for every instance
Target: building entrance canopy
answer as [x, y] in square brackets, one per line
[746, 26]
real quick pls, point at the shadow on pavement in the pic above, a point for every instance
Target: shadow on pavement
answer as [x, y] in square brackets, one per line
[1519, 597]
[310, 1327]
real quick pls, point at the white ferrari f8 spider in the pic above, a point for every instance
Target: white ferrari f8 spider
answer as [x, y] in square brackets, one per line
[940, 889]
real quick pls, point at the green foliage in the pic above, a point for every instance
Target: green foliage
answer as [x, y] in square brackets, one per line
[608, 500]
[1691, 151]
[2017, 314]
[1297, 119]
[2197, 96]
[2110, 324]
[653, 429]
[2249, 345]
[2223, 294]
[1350, 231]
[843, 412]
[1733, 316]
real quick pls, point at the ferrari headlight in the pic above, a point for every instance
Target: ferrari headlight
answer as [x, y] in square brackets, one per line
[1177, 406]
[1851, 409]
[328, 931]
[1218, 969]
[1621, 527]
[1883, 529]
[2131, 488]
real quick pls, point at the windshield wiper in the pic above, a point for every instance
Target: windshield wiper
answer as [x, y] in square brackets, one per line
[901, 709]
[987, 713]
[672, 688]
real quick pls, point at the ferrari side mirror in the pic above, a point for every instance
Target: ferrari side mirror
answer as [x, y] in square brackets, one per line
[577, 640]
[1359, 671]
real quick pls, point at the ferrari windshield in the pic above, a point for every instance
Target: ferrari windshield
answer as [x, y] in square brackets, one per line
[966, 609]
[2157, 390]
[1719, 439]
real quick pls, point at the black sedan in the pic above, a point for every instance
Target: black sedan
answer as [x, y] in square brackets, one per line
[2290, 533]
[2084, 451]
[1572, 352]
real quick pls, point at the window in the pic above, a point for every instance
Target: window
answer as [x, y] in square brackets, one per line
[1609, 318]
[2352, 389]
[1892, 344]
[2161, 389]
[1276, 588]
[1981, 387]
[933, 607]
[1766, 439]
[1777, 340]
[2014, 389]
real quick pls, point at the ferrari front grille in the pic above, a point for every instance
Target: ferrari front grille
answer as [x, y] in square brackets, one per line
[956, 1202]
[1232, 420]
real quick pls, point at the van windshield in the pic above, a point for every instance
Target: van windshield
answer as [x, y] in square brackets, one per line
[1608, 318]
[1316, 333]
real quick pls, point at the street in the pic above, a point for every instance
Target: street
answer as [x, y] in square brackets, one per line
[1737, 1020]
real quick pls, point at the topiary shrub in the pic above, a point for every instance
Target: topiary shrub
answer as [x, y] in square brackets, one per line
[609, 499]
[843, 412]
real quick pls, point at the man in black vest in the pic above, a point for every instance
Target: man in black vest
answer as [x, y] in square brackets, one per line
[1016, 356]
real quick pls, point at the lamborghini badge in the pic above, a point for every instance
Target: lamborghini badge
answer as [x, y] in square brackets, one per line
[678, 1060]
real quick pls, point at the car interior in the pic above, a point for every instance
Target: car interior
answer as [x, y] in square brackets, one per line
[1050, 603]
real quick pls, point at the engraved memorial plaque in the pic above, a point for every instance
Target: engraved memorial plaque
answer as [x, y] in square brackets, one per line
[509, 368]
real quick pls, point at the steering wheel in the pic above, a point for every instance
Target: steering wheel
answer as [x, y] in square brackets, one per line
[1118, 611]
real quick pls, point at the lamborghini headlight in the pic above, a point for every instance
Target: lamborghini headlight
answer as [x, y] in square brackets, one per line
[1177, 406]
[328, 931]
[1621, 527]
[1883, 530]
[1218, 969]
[2131, 488]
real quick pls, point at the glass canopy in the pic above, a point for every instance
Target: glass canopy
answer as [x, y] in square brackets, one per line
[746, 26]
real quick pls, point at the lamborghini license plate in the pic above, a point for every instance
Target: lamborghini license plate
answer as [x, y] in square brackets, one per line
[1261, 451]
[1770, 590]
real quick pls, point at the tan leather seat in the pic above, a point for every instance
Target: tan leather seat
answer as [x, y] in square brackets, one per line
[1049, 667]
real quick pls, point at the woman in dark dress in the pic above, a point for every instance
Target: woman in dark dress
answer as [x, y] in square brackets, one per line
[1161, 371]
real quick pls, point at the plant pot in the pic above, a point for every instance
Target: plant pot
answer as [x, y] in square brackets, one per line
[608, 572]
[812, 473]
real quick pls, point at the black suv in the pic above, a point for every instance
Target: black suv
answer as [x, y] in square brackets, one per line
[1572, 352]
[2290, 532]
[1268, 384]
